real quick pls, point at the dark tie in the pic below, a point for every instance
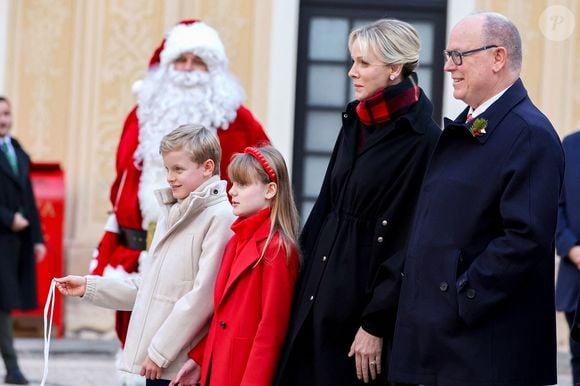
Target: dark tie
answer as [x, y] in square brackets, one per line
[10, 156]
[469, 118]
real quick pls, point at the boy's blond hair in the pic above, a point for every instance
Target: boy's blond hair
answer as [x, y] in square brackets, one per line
[198, 141]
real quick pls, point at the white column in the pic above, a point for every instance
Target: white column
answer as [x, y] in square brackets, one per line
[456, 10]
[4, 10]
[282, 77]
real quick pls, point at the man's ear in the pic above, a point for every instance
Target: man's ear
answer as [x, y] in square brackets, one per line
[271, 190]
[208, 167]
[499, 59]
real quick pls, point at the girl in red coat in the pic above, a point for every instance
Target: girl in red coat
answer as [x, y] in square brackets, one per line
[255, 283]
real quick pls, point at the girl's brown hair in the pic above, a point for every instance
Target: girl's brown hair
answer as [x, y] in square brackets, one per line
[246, 169]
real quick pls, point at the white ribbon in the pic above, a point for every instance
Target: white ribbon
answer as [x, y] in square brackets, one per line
[50, 299]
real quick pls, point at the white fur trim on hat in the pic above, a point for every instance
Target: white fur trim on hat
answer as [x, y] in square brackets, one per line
[198, 38]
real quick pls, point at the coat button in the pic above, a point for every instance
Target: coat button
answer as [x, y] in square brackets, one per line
[311, 297]
[443, 286]
[323, 258]
[384, 223]
[380, 239]
[223, 324]
[470, 293]
[345, 115]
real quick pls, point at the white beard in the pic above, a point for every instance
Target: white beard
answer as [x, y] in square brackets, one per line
[167, 99]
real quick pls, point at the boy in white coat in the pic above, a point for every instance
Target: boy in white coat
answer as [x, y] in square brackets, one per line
[172, 299]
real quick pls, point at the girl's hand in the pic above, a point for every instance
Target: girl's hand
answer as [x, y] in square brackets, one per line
[189, 375]
[150, 370]
[71, 285]
[367, 350]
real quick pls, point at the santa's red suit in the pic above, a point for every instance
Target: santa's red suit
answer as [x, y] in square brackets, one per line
[166, 100]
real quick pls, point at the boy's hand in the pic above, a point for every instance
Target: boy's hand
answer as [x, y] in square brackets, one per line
[189, 375]
[150, 370]
[71, 285]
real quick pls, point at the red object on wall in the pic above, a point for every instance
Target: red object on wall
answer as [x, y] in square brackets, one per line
[48, 185]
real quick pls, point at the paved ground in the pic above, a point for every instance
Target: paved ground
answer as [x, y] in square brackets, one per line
[71, 362]
[92, 362]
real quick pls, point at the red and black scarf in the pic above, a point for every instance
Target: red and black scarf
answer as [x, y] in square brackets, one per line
[389, 102]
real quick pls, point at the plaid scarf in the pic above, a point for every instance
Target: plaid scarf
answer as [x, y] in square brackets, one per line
[389, 102]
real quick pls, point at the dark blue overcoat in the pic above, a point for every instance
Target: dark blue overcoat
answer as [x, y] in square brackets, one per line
[568, 229]
[477, 300]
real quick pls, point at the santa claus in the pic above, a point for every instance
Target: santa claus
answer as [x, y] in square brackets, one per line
[188, 82]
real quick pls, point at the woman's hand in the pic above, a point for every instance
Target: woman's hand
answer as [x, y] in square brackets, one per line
[367, 350]
[189, 375]
[71, 285]
[150, 370]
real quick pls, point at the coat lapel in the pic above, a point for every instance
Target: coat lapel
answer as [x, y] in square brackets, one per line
[378, 137]
[494, 114]
[22, 165]
[349, 122]
[246, 257]
[7, 169]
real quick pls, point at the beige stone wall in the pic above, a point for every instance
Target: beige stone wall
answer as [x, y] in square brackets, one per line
[551, 70]
[69, 73]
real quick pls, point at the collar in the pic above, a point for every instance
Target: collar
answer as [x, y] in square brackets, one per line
[494, 114]
[420, 114]
[7, 139]
[246, 227]
[485, 105]
[165, 197]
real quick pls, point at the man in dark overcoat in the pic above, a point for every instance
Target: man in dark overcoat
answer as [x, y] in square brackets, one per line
[477, 299]
[20, 240]
[568, 244]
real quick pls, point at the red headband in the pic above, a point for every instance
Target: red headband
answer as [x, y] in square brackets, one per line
[256, 154]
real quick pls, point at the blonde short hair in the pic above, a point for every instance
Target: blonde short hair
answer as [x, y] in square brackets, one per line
[198, 141]
[393, 41]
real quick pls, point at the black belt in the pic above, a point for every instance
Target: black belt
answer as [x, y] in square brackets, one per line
[133, 238]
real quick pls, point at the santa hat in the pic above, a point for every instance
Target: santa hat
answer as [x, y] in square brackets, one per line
[191, 36]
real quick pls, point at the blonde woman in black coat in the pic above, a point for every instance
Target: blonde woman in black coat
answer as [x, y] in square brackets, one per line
[355, 238]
